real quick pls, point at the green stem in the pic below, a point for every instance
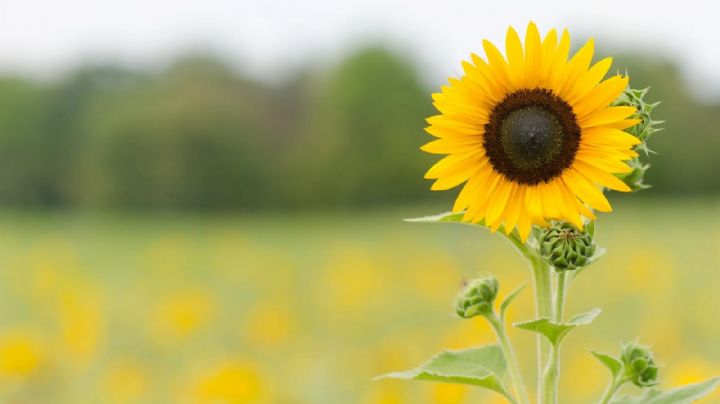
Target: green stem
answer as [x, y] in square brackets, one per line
[515, 375]
[543, 299]
[610, 390]
[560, 290]
[543, 308]
[552, 371]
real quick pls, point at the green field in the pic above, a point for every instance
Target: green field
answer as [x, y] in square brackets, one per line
[291, 308]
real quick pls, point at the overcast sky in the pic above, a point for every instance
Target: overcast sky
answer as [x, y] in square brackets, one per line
[267, 38]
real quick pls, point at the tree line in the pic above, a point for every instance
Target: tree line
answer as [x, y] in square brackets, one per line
[199, 135]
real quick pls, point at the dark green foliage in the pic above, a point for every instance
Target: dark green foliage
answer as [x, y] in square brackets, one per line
[198, 135]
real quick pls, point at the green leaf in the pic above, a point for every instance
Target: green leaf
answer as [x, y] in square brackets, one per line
[441, 217]
[555, 332]
[506, 302]
[614, 365]
[481, 366]
[679, 395]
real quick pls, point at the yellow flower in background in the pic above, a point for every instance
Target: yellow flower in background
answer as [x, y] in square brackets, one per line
[182, 314]
[533, 136]
[124, 381]
[231, 382]
[20, 354]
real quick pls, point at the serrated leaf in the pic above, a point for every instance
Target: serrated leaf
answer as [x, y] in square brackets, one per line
[679, 395]
[506, 302]
[614, 365]
[481, 366]
[555, 332]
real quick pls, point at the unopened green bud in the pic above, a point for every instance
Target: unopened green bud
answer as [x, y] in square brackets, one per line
[565, 247]
[640, 367]
[477, 297]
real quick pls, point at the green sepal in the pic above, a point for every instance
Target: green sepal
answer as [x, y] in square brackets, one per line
[554, 331]
[508, 299]
[480, 366]
[614, 365]
[678, 395]
[643, 131]
[599, 252]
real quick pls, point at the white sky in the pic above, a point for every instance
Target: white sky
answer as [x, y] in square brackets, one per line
[267, 38]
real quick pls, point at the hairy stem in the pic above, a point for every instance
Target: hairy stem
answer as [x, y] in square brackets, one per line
[543, 300]
[560, 290]
[515, 375]
[543, 308]
[552, 370]
[610, 390]
[550, 376]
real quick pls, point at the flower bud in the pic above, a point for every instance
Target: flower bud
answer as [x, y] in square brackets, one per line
[640, 366]
[565, 247]
[477, 297]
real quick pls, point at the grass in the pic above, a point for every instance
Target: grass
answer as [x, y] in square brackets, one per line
[307, 308]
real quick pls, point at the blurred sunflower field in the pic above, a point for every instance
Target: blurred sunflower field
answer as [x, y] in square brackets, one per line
[309, 308]
[203, 202]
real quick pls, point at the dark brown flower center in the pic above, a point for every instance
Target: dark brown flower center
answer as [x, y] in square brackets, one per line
[532, 136]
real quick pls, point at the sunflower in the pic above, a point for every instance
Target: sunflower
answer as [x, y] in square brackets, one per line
[533, 136]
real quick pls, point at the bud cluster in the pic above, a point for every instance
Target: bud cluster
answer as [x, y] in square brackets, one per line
[640, 367]
[565, 247]
[477, 297]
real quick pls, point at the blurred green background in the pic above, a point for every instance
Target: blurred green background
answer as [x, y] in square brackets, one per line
[192, 233]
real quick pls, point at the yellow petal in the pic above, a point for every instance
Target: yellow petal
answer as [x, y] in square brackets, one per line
[601, 96]
[470, 191]
[456, 145]
[515, 203]
[560, 62]
[585, 190]
[588, 80]
[533, 56]
[624, 124]
[478, 209]
[606, 116]
[568, 201]
[609, 136]
[524, 225]
[457, 177]
[601, 177]
[549, 49]
[499, 202]
[516, 60]
[497, 64]
[453, 163]
[604, 163]
[577, 65]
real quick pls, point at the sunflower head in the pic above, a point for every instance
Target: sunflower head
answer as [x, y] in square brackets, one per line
[533, 134]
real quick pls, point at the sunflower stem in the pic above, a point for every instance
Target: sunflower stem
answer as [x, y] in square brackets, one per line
[552, 371]
[509, 353]
[543, 308]
[615, 383]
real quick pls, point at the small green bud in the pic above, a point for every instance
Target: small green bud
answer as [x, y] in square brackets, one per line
[477, 297]
[565, 247]
[640, 367]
